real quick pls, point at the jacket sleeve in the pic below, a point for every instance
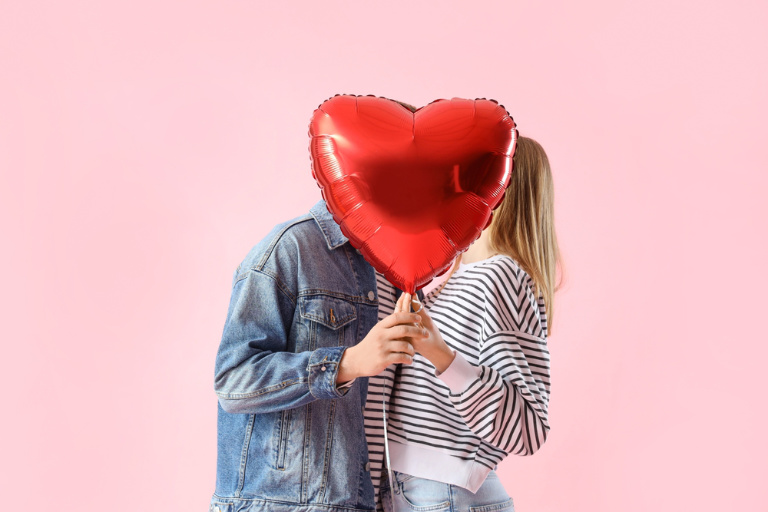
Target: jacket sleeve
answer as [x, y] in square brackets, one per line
[255, 372]
[505, 399]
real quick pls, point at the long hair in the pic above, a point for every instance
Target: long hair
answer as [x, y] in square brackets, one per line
[523, 225]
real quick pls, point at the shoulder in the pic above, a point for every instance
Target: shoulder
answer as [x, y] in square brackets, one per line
[281, 245]
[510, 295]
[499, 273]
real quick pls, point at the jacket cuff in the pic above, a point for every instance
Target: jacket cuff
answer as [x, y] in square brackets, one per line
[459, 375]
[323, 369]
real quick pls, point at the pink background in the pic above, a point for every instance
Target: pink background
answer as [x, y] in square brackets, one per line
[145, 146]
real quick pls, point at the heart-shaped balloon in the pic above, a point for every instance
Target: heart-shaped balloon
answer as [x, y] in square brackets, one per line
[411, 190]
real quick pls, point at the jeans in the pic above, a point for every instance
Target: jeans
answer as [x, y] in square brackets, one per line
[414, 494]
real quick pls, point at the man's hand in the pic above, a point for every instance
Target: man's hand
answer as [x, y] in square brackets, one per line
[384, 345]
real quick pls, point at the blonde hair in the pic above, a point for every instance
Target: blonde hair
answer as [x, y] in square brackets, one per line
[523, 225]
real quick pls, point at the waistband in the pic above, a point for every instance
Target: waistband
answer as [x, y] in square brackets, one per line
[437, 465]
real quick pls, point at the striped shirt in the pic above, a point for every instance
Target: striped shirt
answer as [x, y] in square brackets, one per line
[455, 427]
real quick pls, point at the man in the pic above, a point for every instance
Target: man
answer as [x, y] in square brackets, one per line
[301, 327]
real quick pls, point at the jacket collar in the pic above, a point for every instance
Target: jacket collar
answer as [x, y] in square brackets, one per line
[331, 231]
[333, 235]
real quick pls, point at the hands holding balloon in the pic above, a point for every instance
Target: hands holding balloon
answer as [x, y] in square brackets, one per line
[384, 345]
[457, 158]
[432, 346]
[396, 339]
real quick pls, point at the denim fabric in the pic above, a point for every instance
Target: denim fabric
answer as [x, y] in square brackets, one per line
[413, 494]
[288, 438]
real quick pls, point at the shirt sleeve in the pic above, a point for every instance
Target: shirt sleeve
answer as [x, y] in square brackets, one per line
[505, 399]
[255, 372]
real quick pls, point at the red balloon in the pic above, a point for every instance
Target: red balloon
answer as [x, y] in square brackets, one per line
[411, 190]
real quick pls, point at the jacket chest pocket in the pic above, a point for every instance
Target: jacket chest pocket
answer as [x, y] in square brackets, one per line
[328, 320]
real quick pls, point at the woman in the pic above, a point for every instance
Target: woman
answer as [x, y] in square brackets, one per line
[478, 387]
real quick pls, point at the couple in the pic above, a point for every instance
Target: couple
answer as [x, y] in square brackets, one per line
[316, 340]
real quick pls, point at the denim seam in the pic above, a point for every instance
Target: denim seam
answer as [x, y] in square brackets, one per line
[312, 336]
[280, 502]
[280, 285]
[327, 381]
[340, 322]
[352, 298]
[244, 454]
[328, 445]
[324, 362]
[426, 508]
[282, 442]
[276, 239]
[305, 465]
[492, 508]
[358, 283]
[262, 391]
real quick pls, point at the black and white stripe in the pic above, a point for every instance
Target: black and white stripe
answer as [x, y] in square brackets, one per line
[489, 314]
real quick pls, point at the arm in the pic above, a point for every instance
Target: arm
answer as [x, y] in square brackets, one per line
[254, 371]
[505, 399]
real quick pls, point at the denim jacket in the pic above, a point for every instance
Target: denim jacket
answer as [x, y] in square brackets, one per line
[290, 439]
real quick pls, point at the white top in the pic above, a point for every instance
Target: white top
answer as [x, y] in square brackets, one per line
[492, 400]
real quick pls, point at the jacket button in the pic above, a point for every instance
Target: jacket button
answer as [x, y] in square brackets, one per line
[322, 368]
[367, 466]
[371, 296]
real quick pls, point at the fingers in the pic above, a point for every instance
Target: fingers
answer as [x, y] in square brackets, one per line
[407, 302]
[424, 316]
[415, 304]
[406, 331]
[400, 318]
[418, 309]
[402, 346]
[399, 357]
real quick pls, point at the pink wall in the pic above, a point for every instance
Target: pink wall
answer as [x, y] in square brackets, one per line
[145, 146]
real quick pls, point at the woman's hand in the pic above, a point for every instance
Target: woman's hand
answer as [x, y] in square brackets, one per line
[432, 347]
